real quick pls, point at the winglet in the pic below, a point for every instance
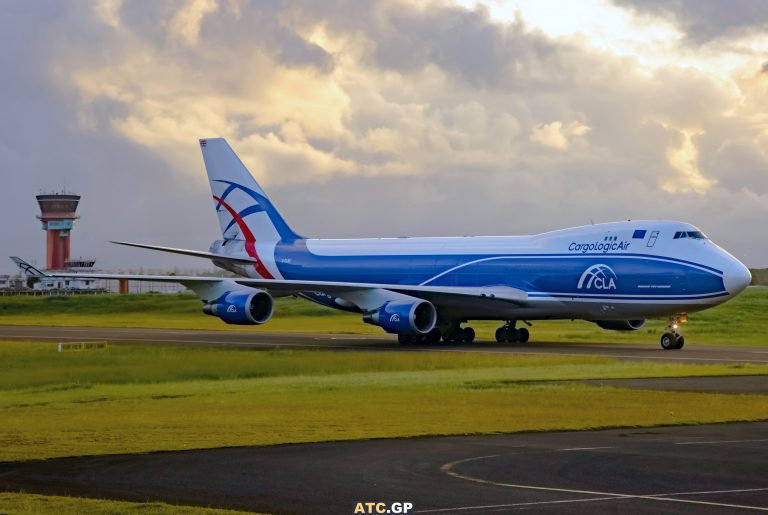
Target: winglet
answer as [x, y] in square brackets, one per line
[27, 268]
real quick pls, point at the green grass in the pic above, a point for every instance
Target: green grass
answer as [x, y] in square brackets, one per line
[739, 322]
[21, 503]
[759, 276]
[148, 398]
[38, 365]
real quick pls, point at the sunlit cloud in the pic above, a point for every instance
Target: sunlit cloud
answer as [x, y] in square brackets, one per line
[312, 95]
[185, 25]
[555, 135]
[108, 11]
[684, 161]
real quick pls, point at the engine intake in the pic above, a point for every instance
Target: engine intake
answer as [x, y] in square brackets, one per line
[418, 317]
[620, 325]
[242, 308]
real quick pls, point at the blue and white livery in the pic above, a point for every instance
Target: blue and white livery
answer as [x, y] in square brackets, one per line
[423, 289]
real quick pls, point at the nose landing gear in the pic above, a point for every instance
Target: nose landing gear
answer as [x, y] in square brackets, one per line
[672, 339]
[508, 333]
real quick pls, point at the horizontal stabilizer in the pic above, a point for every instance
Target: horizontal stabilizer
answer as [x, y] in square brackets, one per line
[27, 268]
[196, 253]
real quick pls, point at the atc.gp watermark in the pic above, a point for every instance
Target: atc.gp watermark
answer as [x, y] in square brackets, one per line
[382, 507]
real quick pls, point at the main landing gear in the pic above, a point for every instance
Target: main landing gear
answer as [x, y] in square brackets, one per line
[431, 337]
[460, 335]
[508, 333]
[452, 334]
[672, 339]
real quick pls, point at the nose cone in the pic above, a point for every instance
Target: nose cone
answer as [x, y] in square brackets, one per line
[736, 277]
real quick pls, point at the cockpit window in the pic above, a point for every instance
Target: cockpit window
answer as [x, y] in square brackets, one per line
[696, 235]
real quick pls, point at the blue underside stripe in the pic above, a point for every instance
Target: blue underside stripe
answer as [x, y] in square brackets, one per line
[620, 297]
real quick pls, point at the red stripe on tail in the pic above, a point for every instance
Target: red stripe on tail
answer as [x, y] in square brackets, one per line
[250, 240]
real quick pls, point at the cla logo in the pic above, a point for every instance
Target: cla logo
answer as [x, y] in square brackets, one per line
[394, 318]
[598, 277]
[231, 309]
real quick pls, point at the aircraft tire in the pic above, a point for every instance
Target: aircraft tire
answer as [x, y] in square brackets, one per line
[680, 342]
[507, 335]
[668, 341]
[433, 337]
[410, 339]
[523, 335]
[467, 335]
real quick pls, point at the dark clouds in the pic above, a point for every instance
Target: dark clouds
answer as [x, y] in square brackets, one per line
[706, 20]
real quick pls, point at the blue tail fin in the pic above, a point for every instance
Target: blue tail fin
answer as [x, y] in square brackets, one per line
[243, 208]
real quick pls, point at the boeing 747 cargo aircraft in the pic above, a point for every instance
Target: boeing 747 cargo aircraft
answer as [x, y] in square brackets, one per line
[426, 289]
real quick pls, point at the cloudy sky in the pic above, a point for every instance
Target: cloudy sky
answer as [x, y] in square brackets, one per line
[385, 118]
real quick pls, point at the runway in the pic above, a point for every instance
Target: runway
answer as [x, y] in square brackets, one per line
[265, 340]
[702, 469]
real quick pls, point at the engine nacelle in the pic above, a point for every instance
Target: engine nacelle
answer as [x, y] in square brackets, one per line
[242, 308]
[620, 325]
[417, 317]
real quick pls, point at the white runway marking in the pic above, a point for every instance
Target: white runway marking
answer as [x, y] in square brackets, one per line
[661, 497]
[715, 442]
[585, 448]
[512, 505]
[712, 492]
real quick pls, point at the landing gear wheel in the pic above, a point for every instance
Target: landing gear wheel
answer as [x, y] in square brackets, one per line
[506, 335]
[433, 336]
[412, 339]
[673, 339]
[467, 335]
[668, 341]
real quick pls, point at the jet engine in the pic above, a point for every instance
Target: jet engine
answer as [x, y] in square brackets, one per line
[620, 325]
[242, 307]
[417, 317]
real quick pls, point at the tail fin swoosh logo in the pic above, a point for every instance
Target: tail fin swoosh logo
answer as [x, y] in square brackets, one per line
[597, 277]
[250, 239]
[260, 203]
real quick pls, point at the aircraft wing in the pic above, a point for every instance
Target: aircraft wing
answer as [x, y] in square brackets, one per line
[426, 292]
[289, 287]
[246, 260]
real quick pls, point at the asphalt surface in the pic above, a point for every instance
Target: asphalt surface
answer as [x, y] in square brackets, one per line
[723, 384]
[259, 339]
[702, 469]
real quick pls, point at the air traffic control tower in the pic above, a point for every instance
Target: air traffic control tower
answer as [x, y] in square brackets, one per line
[57, 213]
